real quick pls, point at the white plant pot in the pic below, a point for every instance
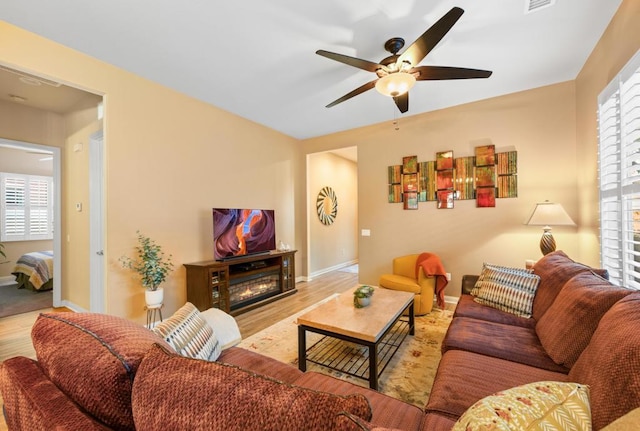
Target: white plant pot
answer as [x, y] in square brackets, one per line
[154, 298]
[364, 301]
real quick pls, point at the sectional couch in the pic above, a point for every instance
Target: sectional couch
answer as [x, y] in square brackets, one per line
[582, 329]
[99, 372]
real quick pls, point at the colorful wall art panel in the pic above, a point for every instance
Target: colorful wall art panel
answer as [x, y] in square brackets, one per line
[486, 197]
[426, 181]
[485, 176]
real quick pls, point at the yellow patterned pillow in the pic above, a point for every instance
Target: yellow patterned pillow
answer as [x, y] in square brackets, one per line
[535, 406]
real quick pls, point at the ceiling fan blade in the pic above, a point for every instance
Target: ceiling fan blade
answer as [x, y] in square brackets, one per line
[402, 102]
[419, 49]
[351, 61]
[431, 73]
[359, 90]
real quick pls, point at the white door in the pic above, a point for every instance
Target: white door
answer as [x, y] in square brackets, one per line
[97, 298]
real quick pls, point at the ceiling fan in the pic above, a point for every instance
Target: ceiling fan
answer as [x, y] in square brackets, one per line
[398, 73]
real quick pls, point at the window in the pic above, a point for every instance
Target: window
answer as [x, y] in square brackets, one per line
[26, 207]
[619, 175]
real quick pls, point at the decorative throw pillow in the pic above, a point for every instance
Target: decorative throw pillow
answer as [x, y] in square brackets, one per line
[224, 326]
[534, 406]
[507, 289]
[507, 268]
[566, 328]
[93, 359]
[188, 333]
[176, 393]
[555, 269]
[626, 422]
[610, 364]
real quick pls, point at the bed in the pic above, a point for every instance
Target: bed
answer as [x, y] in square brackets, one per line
[35, 270]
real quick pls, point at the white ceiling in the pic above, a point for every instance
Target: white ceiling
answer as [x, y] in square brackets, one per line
[29, 90]
[257, 58]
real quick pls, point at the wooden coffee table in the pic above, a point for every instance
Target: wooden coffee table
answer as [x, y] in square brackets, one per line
[358, 341]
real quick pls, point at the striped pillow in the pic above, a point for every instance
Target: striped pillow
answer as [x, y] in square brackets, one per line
[189, 334]
[507, 289]
[507, 268]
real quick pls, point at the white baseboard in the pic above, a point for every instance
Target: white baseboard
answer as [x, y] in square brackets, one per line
[332, 268]
[451, 300]
[7, 280]
[73, 307]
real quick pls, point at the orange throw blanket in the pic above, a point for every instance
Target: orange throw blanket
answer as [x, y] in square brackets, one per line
[432, 266]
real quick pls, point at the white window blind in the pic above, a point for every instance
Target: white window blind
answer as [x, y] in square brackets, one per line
[619, 175]
[26, 207]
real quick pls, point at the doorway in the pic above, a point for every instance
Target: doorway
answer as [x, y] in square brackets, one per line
[332, 246]
[61, 119]
[35, 161]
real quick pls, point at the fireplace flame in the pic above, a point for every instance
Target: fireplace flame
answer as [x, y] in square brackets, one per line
[243, 293]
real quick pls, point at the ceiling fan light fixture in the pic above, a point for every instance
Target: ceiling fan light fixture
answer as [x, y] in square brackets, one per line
[397, 73]
[395, 84]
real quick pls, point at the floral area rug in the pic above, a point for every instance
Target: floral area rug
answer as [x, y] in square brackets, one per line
[408, 376]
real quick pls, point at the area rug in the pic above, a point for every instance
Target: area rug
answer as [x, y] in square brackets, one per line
[408, 376]
[17, 301]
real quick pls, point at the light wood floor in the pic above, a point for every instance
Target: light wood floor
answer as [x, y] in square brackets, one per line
[15, 331]
[308, 293]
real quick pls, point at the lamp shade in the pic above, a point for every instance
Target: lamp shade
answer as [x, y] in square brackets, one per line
[395, 84]
[549, 214]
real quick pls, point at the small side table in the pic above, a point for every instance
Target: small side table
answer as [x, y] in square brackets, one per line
[153, 313]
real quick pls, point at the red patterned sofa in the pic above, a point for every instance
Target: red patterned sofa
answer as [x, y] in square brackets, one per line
[583, 329]
[100, 372]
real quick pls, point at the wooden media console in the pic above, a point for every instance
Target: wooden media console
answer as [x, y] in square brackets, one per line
[241, 284]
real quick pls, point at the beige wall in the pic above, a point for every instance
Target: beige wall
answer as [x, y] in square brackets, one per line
[332, 245]
[538, 124]
[21, 162]
[80, 124]
[169, 167]
[169, 159]
[619, 43]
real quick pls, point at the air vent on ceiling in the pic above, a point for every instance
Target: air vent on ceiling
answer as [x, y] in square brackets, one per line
[32, 78]
[535, 5]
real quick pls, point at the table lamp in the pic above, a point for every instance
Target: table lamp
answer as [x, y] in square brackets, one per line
[548, 214]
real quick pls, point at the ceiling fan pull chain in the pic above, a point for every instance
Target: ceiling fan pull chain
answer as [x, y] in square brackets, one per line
[396, 120]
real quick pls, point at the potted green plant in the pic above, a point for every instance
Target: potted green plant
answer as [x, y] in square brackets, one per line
[362, 296]
[152, 266]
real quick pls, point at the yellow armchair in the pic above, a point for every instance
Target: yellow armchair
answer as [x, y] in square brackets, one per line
[404, 278]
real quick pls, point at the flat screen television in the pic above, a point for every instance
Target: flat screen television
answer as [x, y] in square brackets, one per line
[241, 232]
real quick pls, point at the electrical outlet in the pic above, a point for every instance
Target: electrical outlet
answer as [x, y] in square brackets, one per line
[448, 276]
